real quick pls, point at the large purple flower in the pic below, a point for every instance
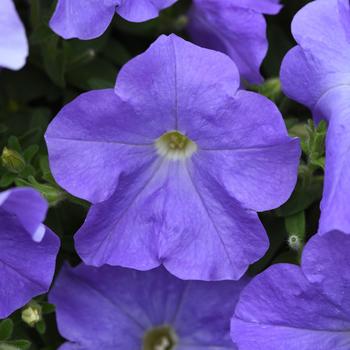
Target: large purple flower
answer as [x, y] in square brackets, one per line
[115, 308]
[27, 249]
[317, 74]
[13, 40]
[88, 19]
[235, 27]
[176, 161]
[288, 307]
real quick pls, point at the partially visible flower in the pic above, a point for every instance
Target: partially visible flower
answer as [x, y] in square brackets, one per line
[115, 308]
[176, 162]
[235, 27]
[88, 19]
[13, 40]
[288, 307]
[316, 73]
[28, 249]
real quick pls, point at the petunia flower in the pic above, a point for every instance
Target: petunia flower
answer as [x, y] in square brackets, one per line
[316, 73]
[288, 307]
[235, 27]
[116, 308]
[176, 162]
[28, 249]
[13, 40]
[88, 19]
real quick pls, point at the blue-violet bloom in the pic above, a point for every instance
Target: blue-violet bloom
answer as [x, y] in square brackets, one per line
[28, 249]
[116, 308]
[176, 161]
[235, 27]
[288, 307]
[316, 73]
[13, 40]
[88, 19]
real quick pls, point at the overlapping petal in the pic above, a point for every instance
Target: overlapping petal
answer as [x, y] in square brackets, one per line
[89, 19]
[26, 265]
[316, 73]
[236, 28]
[142, 10]
[289, 308]
[29, 207]
[113, 307]
[13, 40]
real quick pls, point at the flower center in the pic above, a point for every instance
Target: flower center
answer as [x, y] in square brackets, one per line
[174, 145]
[160, 338]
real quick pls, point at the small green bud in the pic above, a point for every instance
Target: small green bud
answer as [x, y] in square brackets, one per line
[271, 89]
[12, 160]
[32, 314]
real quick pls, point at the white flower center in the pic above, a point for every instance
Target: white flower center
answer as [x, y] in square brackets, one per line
[175, 146]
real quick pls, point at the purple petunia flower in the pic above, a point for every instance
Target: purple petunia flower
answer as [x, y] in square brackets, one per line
[176, 162]
[13, 41]
[116, 308]
[27, 249]
[317, 74]
[235, 27]
[288, 307]
[88, 19]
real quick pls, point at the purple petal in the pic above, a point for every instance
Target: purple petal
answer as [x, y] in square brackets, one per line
[13, 40]
[335, 204]
[94, 139]
[321, 61]
[235, 28]
[291, 308]
[245, 144]
[83, 19]
[142, 10]
[175, 79]
[212, 238]
[26, 267]
[113, 307]
[29, 207]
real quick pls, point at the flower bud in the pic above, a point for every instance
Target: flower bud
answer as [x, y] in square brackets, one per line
[12, 160]
[31, 314]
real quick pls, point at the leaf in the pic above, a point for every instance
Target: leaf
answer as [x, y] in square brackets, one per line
[6, 329]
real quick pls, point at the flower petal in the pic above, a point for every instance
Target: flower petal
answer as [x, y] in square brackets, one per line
[235, 28]
[320, 63]
[290, 308]
[30, 275]
[142, 10]
[94, 139]
[29, 207]
[83, 19]
[174, 79]
[171, 218]
[335, 204]
[281, 309]
[110, 306]
[13, 40]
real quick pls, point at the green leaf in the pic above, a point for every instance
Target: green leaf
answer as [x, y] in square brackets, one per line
[303, 196]
[47, 308]
[41, 327]
[15, 345]
[6, 329]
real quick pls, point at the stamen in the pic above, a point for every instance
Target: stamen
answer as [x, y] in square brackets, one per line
[175, 146]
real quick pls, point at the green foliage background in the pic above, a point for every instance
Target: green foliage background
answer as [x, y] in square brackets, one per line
[57, 71]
